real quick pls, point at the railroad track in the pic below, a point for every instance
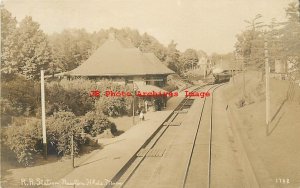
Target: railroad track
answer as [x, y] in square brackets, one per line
[156, 146]
[207, 177]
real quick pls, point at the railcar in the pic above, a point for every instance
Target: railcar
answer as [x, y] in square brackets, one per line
[217, 78]
[221, 77]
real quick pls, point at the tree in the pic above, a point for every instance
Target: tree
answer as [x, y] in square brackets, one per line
[8, 44]
[291, 39]
[291, 31]
[34, 51]
[130, 35]
[8, 24]
[150, 44]
[250, 43]
[70, 48]
[188, 59]
[172, 59]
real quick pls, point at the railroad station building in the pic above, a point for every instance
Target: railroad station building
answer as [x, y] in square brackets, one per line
[121, 62]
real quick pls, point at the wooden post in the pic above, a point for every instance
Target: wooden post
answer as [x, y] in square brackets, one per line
[43, 114]
[231, 75]
[204, 71]
[72, 151]
[267, 71]
[244, 80]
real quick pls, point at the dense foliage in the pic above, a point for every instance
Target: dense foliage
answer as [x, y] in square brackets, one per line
[24, 137]
[70, 95]
[22, 95]
[69, 110]
[113, 106]
[60, 127]
[282, 39]
[24, 140]
[95, 123]
[26, 49]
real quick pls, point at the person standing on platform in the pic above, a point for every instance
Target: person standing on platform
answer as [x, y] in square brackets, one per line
[142, 117]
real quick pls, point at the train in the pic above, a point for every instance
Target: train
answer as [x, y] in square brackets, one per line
[218, 77]
[222, 77]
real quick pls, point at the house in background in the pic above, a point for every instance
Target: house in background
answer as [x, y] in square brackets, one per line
[280, 70]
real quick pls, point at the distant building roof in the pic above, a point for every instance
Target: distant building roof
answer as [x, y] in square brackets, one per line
[114, 58]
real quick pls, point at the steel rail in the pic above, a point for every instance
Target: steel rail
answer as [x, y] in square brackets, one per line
[174, 115]
[213, 88]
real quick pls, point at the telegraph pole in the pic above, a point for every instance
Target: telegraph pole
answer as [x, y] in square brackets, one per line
[1, 7]
[133, 96]
[134, 88]
[299, 9]
[204, 71]
[267, 71]
[72, 150]
[244, 79]
[43, 113]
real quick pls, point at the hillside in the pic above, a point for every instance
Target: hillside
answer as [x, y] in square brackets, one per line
[272, 150]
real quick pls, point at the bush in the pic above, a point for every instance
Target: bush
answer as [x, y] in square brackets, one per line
[95, 123]
[69, 96]
[24, 140]
[66, 95]
[24, 95]
[73, 95]
[113, 106]
[60, 127]
[7, 111]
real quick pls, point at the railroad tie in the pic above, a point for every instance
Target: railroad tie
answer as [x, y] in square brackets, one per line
[156, 153]
[152, 152]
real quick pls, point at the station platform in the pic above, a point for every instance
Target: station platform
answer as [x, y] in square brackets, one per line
[100, 168]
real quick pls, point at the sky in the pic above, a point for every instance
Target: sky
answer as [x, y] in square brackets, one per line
[209, 25]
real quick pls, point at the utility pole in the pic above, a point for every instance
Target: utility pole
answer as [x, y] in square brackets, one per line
[299, 9]
[43, 114]
[267, 71]
[1, 7]
[133, 96]
[72, 150]
[134, 88]
[204, 73]
[244, 79]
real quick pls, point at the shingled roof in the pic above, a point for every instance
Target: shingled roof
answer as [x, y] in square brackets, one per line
[115, 59]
